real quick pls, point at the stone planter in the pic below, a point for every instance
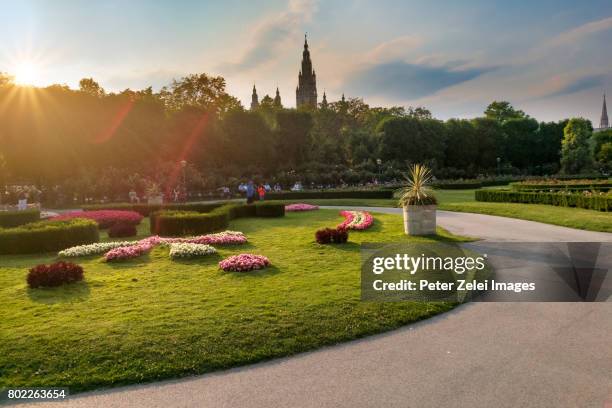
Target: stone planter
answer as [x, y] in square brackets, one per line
[420, 219]
[156, 200]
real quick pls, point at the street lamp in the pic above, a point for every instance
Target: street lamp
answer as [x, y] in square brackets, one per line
[379, 162]
[183, 167]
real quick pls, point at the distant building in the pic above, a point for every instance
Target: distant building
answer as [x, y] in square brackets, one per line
[306, 91]
[254, 99]
[603, 122]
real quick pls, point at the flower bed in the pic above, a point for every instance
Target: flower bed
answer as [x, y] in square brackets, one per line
[329, 235]
[93, 249]
[131, 251]
[300, 207]
[357, 220]
[244, 263]
[104, 218]
[55, 274]
[190, 250]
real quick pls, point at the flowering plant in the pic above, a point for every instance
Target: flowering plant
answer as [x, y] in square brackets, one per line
[104, 218]
[54, 274]
[189, 250]
[329, 235]
[357, 220]
[300, 207]
[93, 249]
[131, 251]
[244, 263]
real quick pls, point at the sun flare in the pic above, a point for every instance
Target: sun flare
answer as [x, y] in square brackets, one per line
[27, 73]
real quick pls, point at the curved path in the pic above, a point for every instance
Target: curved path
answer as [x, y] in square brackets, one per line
[478, 355]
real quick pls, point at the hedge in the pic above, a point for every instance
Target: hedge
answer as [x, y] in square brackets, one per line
[172, 222]
[47, 236]
[147, 209]
[293, 195]
[467, 185]
[593, 202]
[10, 219]
[595, 185]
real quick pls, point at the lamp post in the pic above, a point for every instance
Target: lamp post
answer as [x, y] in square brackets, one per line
[183, 167]
[379, 162]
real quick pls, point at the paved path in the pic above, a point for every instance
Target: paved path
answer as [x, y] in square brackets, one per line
[478, 355]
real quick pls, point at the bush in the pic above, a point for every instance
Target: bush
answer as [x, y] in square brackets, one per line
[104, 218]
[598, 202]
[294, 195]
[147, 209]
[570, 185]
[121, 229]
[47, 236]
[332, 235]
[457, 185]
[10, 219]
[173, 223]
[55, 274]
[269, 210]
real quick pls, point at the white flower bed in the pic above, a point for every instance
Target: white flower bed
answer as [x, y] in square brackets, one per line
[93, 249]
[190, 250]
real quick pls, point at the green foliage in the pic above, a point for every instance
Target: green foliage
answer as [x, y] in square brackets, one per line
[269, 210]
[574, 185]
[417, 191]
[501, 111]
[46, 236]
[598, 202]
[146, 209]
[576, 150]
[602, 150]
[296, 195]
[9, 219]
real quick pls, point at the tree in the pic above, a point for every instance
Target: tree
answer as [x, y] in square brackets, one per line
[502, 111]
[91, 87]
[201, 91]
[602, 150]
[461, 145]
[575, 149]
[292, 137]
[490, 140]
[521, 141]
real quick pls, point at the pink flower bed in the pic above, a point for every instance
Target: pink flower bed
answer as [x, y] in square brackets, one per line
[244, 263]
[104, 218]
[301, 207]
[131, 251]
[357, 220]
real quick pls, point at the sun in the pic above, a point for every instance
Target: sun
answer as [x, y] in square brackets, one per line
[27, 73]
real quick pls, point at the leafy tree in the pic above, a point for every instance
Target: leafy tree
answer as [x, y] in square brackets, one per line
[490, 140]
[292, 137]
[521, 141]
[462, 144]
[602, 150]
[420, 112]
[201, 91]
[502, 111]
[409, 140]
[575, 149]
[91, 87]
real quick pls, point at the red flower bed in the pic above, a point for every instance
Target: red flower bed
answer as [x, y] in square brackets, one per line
[331, 235]
[104, 218]
[55, 274]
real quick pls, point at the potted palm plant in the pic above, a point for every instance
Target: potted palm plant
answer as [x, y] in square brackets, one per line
[418, 202]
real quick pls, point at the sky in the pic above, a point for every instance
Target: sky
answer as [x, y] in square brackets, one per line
[550, 58]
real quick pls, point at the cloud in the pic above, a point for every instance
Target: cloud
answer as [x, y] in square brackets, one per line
[577, 34]
[271, 35]
[394, 50]
[402, 81]
[560, 86]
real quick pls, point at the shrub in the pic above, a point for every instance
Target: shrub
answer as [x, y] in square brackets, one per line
[556, 184]
[46, 236]
[269, 210]
[417, 191]
[599, 202]
[146, 209]
[332, 235]
[55, 274]
[10, 219]
[298, 195]
[104, 218]
[120, 230]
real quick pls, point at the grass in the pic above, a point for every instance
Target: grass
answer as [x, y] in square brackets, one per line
[463, 201]
[152, 318]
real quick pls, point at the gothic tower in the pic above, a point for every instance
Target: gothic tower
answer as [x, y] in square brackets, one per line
[324, 103]
[603, 124]
[306, 91]
[277, 99]
[254, 99]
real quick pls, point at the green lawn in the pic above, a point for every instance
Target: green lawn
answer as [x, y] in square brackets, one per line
[463, 201]
[153, 318]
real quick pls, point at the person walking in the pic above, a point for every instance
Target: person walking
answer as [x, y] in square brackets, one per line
[250, 192]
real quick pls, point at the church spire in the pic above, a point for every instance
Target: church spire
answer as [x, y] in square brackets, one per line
[324, 101]
[603, 124]
[254, 99]
[306, 92]
[277, 99]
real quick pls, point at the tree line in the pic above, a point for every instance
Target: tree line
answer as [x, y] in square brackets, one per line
[90, 139]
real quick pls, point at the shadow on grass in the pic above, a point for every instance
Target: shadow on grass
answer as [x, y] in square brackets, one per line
[72, 292]
[130, 263]
[205, 260]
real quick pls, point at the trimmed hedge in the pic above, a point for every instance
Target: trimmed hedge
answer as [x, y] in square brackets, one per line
[595, 185]
[47, 236]
[10, 219]
[593, 202]
[173, 223]
[147, 209]
[467, 185]
[294, 195]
